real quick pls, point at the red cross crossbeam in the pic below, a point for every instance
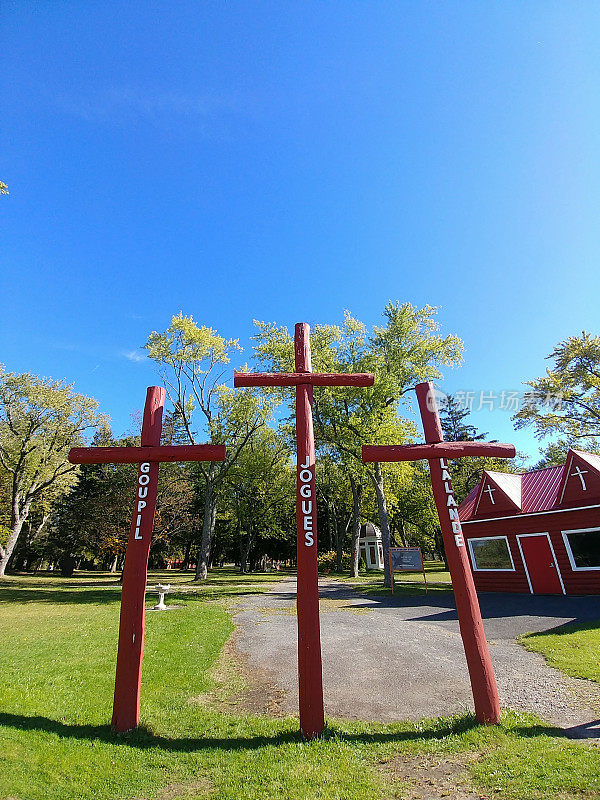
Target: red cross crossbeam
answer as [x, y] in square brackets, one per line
[242, 379]
[310, 677]
[126, 705]
[135, 455]
[479, 663]
[416, 452]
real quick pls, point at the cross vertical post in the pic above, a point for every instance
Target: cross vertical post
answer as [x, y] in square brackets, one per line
[479, 663]
[310, 673]
[130, 651]
[310, 670]
[126, 705]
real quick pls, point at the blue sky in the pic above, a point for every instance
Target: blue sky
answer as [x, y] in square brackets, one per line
[285, 161]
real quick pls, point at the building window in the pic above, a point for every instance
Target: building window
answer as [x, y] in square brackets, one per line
[583, 548]
[491, 553]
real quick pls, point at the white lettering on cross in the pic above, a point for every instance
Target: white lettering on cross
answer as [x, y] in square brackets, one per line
[451, 506]
[306, 476]
[143, 481]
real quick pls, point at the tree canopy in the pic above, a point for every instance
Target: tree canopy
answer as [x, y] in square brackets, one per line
[405, 350]
[40, 420]
[565, 402]
[193, 360]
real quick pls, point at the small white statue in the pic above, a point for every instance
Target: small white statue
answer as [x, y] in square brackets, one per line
[162, 590]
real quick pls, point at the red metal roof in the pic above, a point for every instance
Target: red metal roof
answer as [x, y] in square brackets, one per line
[539, 490]
[466, 508]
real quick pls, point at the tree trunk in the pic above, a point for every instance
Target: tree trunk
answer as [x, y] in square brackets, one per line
[186, 559]
[19, 515]
[384, 522]
[357, 490]
[338, 541]
[439, 546]
[208, 529]
[10, 546]
[403, 533]
[247, 548]
[39, 528]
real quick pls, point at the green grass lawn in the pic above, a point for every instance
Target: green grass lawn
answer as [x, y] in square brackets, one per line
[574, 649]
[405, 583]
[57, 657]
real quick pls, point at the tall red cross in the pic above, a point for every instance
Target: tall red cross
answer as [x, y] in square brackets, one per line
[479, 663]
[310, 678]
[126, 705]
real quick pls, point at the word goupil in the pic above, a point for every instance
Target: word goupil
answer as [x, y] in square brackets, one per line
[143, 481]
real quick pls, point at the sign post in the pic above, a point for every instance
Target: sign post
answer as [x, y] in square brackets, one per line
[126, 706]
[310, 677]
[436, 451]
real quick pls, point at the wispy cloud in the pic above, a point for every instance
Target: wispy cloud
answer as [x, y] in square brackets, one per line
[158, 106]
[134, 355]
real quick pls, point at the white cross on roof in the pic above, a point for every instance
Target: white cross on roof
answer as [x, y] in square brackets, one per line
[580, 473]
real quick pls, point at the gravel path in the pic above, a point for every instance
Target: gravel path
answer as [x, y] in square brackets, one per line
[402, 658]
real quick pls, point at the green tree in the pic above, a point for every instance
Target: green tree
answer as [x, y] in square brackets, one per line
[565, 402]
[262, 485]
[32, 542]
[176, 523]
[452, 417]
[466, 472]
[553, 454]
[192, 360]
[40, 420]
[406, 349]
[413, 515]
[331, 482]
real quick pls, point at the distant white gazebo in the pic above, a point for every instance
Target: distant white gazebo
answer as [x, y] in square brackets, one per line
[370, 546]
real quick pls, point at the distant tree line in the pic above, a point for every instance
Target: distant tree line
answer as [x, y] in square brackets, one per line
[243, 509]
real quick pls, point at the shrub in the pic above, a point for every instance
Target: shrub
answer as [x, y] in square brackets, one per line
[327, 561]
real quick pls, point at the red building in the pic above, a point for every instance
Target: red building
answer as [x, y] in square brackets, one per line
[538, 532]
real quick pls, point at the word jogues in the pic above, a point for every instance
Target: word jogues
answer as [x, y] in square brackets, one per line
[306, 479]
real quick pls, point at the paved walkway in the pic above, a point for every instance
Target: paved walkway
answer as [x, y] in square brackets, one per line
[402, 658]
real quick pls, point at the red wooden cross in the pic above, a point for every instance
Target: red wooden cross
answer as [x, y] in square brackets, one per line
[310, 678]
[481, 672]
[126, 706]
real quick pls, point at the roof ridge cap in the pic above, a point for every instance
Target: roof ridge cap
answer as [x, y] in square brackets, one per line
[541, 469]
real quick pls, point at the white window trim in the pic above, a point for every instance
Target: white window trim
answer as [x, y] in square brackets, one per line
[547, 535]
[574, 567]
[490, 569]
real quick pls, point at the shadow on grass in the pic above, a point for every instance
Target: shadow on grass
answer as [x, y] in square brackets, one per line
[112, 593]
[52, 595]
[106, 588]
[143, 738]
[568, 627]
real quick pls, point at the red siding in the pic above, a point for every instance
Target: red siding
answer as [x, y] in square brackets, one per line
[575, 582]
